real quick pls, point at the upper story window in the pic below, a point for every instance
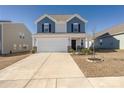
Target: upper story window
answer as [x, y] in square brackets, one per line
[21, 35]
[75, 27]
[46, 27]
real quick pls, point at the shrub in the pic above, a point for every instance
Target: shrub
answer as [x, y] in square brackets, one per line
[86, 51]
[78, 48]
[34, 50]
[70, 50]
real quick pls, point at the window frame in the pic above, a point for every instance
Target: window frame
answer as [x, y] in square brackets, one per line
[101, 42]
[76, 26]
[14, 46]
[46, 26]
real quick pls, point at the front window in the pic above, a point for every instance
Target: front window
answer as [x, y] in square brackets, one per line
[75, 27]
[100, 41]
[24, 46]
[20, 46]
[46, 27]
[14, 46]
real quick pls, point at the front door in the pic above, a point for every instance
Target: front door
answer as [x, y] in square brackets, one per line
[73, 44]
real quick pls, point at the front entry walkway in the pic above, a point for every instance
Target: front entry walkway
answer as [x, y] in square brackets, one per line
[53, 70]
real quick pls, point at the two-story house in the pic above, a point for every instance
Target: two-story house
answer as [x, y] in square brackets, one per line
[14, 37]
[57, 33]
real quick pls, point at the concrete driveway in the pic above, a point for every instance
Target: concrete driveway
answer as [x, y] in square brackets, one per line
[44, 70]
[51, 70]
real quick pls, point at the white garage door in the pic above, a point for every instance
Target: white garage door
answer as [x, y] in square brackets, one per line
[52, 44]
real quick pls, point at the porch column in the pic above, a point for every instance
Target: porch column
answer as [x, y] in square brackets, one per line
[80, 41]
[69, 42]
[86, 43]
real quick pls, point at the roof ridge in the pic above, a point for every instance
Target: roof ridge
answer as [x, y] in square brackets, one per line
[60, 14]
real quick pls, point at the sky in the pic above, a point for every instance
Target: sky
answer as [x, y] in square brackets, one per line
[99, 17]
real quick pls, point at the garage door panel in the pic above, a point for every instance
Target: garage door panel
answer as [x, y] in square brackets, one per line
[52, 44]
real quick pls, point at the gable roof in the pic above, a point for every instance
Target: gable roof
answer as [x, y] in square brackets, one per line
[117, 29]
[60, 18]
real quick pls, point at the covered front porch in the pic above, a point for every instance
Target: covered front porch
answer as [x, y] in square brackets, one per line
[76, 43]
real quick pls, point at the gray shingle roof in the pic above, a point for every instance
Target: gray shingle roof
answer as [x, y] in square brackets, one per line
[117, 29]
[61, 17]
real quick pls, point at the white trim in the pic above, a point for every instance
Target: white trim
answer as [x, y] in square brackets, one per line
[45, 15]
[75, 23]
[46, 23]
[75, 27]
[72, 35]
[2, 38]
[78, 16]
[75, 15]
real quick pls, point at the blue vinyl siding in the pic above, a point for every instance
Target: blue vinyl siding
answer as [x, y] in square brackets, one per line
[45, 20]
[76, 20]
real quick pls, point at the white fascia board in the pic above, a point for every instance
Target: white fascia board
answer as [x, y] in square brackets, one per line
[40, 18]
[78, 16]
[80, 35]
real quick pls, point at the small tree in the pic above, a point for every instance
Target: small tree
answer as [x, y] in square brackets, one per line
[94, 58]
[94, 43]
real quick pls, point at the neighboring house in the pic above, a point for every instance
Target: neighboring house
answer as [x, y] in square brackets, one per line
[14, 37]
[111, 38]
[57, 33]
[89, 41]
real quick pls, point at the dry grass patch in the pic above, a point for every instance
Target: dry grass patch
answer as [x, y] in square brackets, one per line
[7, 60]
[113, 64]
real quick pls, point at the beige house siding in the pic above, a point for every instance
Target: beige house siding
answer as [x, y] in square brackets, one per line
[0, 38]
[121, 40]
[11, 38]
